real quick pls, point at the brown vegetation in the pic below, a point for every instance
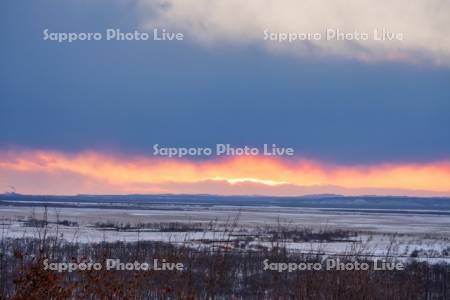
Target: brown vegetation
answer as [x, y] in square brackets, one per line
[221, 271]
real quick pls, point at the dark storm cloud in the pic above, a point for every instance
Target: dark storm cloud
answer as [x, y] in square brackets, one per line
[130, 95]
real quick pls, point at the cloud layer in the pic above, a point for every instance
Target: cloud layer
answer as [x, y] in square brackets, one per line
[43, 172]
[425, 25]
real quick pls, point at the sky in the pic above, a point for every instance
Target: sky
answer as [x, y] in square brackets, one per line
[364, 117]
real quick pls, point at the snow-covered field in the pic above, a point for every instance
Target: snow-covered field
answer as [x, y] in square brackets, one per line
[378, 233]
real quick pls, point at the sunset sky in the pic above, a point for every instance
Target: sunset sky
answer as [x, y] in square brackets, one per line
[364, 117]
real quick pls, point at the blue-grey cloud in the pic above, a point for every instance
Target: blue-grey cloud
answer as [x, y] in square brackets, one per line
[131, 95]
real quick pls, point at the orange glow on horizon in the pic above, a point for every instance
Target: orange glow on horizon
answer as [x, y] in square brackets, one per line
[136, 174]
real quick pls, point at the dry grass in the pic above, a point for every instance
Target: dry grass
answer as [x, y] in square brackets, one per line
[210, 273]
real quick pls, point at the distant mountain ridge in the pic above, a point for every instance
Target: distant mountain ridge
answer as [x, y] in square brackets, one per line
[310, 201]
